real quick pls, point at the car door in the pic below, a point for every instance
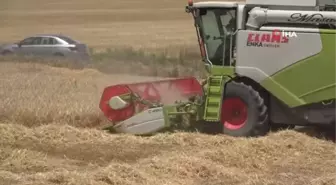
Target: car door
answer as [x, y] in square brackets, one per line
[37, 47]
[24, 46]
[30, 46]
[46, 48]
[56, 47]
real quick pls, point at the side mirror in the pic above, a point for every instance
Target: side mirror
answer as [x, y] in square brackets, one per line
[117, 103]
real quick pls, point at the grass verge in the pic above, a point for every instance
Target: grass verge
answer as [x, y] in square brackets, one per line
[162, 63]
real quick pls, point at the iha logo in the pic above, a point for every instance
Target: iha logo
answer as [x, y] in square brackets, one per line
[287, 33]
[269, 39]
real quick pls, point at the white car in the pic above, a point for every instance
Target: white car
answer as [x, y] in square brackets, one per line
[48, 45]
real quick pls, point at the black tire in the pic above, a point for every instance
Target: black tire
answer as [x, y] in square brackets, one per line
[256, 119]
[59, 55]
[6, 53]
[280, 126]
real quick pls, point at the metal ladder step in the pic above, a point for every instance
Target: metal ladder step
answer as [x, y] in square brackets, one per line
[214, 98]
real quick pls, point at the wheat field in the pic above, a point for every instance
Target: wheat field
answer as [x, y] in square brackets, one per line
[101, 23]
[50, 121]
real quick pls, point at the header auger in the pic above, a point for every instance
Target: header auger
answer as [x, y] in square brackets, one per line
[270, 64]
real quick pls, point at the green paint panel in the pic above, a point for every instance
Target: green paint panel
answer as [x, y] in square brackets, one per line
[222, 71]
[310, 80]
[214, 90]
[214, 98]
[281, 92]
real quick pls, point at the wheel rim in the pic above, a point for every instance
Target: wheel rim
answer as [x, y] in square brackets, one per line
[234, 113]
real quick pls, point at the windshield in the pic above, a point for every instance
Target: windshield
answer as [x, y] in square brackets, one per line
[216, 26]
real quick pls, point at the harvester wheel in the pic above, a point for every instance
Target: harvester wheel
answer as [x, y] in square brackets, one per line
[244, 112]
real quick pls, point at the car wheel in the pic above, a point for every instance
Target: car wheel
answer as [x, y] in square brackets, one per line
[6, 52]
[58, 55]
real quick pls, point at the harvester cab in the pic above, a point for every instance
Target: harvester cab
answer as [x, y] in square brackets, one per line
[270, 64]
[216, 23]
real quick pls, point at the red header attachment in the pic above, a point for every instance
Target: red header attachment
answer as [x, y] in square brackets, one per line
[163, 91]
